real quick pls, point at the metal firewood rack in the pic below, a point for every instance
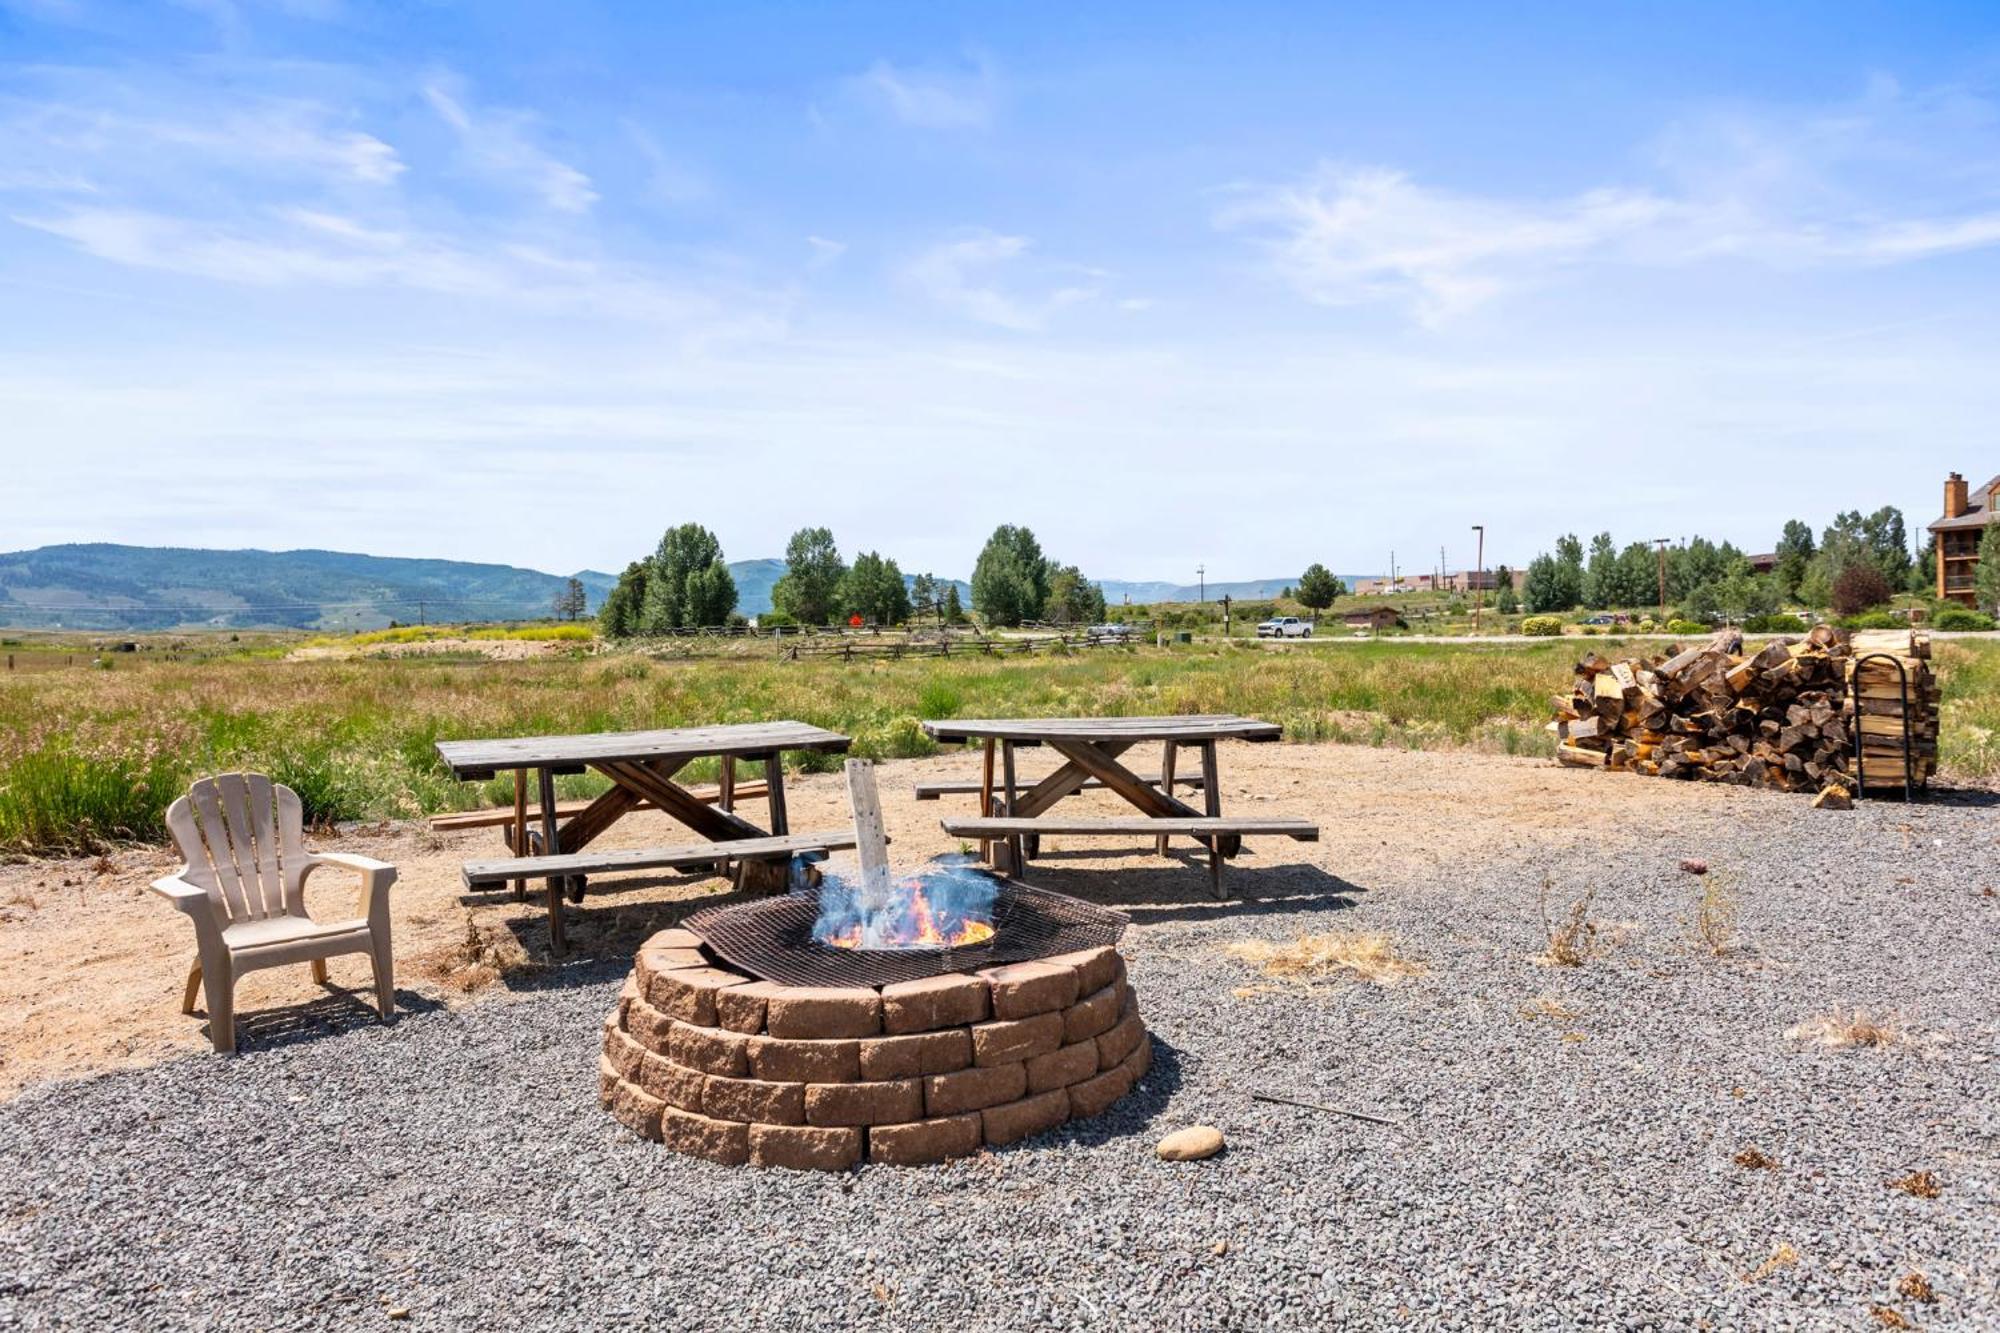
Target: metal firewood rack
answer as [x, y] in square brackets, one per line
[1860, 733]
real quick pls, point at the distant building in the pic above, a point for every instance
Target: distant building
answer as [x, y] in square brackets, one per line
[1763, 564]
[1373, 617]
[1966, 514]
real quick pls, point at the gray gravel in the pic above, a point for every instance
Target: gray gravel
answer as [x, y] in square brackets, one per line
[1552, 1173]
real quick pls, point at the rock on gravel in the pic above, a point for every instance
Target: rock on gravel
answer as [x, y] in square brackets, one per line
[1191, 1144]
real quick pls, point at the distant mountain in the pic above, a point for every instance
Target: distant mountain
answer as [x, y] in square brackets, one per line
[102, 586]
[1117, 591]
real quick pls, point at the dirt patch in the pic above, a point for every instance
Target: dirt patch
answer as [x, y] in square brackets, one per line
[92, 963]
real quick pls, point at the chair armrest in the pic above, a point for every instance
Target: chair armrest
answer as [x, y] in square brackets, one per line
[188, 897]
[364, 864]
[376, 877]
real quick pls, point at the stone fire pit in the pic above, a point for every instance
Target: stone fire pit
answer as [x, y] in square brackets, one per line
[721, 1065]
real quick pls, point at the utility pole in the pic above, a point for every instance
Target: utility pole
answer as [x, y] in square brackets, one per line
[1479, 578]
[1201, 584]
[1438, 586]
[1392, 569]
[1662, 543]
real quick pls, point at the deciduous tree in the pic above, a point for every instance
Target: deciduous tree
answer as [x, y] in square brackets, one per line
[1318, 587]
[809, 589]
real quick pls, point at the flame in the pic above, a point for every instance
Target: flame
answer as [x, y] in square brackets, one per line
[915, 923]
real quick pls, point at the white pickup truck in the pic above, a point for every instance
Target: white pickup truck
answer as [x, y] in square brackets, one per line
[1285, 627]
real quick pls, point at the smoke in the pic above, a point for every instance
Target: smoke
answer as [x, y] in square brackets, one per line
[920, 911]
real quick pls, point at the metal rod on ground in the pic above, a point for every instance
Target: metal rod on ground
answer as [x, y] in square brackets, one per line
[1330, 1110]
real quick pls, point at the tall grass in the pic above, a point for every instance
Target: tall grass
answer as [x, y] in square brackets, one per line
[87, 757]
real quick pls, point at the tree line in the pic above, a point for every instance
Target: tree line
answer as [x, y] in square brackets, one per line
[1854, 564]
[685, 583]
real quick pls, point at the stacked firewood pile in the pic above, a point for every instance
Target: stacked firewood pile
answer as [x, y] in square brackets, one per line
[1883, 696]
[1781, 717]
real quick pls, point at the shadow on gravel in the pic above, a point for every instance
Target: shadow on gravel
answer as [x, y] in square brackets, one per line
[1972, 798]
[1132, 1113]
[340, 1010]
[1182, 893]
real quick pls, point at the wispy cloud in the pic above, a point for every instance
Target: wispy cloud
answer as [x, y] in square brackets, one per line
[965, 275]
[1824, 188]
[931, 99]
[499, 143]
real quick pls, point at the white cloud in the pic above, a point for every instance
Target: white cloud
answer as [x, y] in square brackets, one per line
[498, 142]
[825, 251]
[964, 275]
[1820, 188]
[930, 99]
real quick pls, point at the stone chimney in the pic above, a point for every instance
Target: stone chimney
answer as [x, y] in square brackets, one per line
[1955, 500]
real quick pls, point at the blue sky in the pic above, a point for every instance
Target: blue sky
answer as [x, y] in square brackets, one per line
[1240, 286]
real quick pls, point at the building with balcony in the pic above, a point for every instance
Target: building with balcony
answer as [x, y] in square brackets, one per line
[1966, 516]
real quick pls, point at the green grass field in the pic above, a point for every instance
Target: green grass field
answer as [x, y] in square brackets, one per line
[91, 756]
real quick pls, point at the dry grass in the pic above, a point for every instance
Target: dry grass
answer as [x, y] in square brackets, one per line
[1755, 1159]
[1918, 1185]
[1543, 1006]
[1338, 955]
[1838, 1029]
[1889, 1318]
[1916, 1287]
[1715, 912]
[1782, 1256]
[1571, 934]
[485, 955]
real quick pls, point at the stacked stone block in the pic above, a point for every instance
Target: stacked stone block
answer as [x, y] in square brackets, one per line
[720, 1066]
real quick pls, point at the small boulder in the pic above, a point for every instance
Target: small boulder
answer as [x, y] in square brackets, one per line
[1191, 1144]
[1694, 867]
[1835, 797]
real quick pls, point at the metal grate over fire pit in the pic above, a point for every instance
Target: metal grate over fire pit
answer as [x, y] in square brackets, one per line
[772, 938]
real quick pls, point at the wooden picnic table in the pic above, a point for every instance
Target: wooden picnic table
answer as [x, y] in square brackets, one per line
[1011, 820]
[642, 766]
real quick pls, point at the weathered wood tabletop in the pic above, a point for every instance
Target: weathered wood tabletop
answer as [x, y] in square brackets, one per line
[1090, 747]
[642, 766]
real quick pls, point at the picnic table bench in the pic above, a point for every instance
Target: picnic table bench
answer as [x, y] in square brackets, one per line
[642, 766]
[1011, 821]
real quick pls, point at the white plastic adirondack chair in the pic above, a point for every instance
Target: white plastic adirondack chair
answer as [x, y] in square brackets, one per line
[244, 888]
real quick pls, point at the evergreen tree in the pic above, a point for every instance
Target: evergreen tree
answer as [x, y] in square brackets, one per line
[1506, 601]
[1986, 584]
[1317, 587]
[1073, 599]
[809, 589]
[923, 595]
[571, 601]
[1795, 552]
[873, 589]
[1889, 543]
[619, 617]
[954, 611]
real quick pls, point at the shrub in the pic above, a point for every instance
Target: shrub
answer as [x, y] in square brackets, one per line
[1679, 626]
[1873, 620]
[1775, 624]
[1542, 627]
[1959, 617]
[1587, 628]
[1859, 587]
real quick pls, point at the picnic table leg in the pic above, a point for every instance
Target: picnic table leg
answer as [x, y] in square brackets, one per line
[1211, 803]
[1015, 842]
[726, 798]
[520, 838]
[558, 938]
[774, 783]
[1167, 782]
[986, 798]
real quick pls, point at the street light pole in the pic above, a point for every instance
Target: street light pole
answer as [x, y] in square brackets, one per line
[1479, 578]
[1201, 584]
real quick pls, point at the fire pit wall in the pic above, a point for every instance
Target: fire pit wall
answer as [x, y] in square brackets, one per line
[726, 1067]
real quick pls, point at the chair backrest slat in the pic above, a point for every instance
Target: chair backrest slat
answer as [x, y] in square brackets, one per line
[241, 835]
[207, 798]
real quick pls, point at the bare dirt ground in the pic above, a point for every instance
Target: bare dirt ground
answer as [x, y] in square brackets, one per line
[92, 963]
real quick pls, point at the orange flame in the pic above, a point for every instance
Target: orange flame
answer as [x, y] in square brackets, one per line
[917, 927]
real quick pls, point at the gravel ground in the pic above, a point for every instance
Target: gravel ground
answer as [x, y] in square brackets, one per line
[1560, 1164]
